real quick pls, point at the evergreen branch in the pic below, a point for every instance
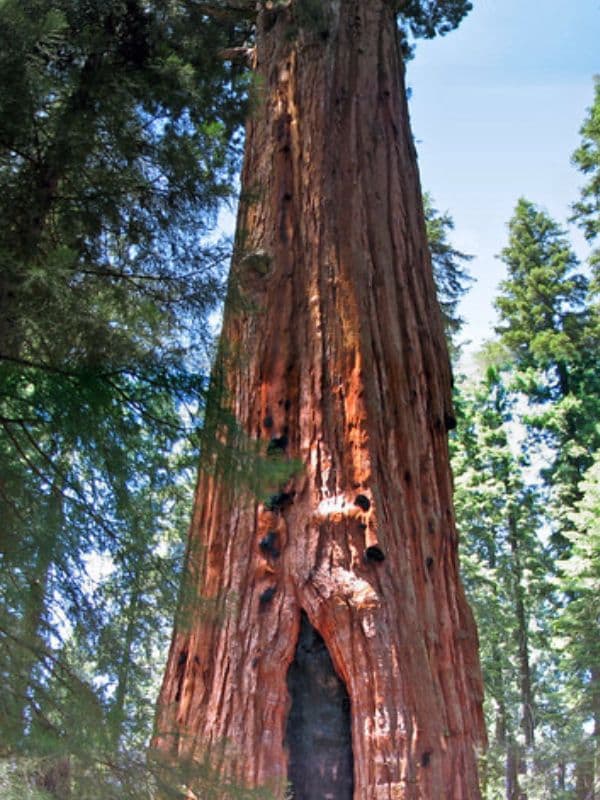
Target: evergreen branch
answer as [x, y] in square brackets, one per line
[133, 276]
[44, 654]
[20, 153]
[139, 406]
[18, 420]
[78, 501]
[53, 370]
[26, 459]
[44, 367]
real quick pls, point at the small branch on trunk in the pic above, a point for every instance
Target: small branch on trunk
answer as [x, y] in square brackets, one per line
[243, 55]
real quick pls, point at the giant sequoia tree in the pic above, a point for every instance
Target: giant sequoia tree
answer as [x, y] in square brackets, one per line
[324, 639]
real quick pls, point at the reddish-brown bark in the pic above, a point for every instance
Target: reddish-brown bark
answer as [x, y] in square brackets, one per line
[338, 347]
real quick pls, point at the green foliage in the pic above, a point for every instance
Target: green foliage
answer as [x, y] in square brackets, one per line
[114, 155]
[90, 578]
[418, 19]
[504, 567]
[449, 269]
[428, 18]
[118, 145]
[550, 329]
[542, 300]
[538, 406]
[577, 629]
[586, 211]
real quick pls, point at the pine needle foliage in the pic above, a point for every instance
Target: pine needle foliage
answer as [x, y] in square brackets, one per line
[452, 279]
[117, 148]
[586, 210]
[505, 566]
[577, 630]
[549, 325]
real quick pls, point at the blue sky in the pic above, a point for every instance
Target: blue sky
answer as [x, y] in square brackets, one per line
[496, 110]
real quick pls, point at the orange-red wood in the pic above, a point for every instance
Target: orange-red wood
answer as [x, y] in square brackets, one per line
[338, 345]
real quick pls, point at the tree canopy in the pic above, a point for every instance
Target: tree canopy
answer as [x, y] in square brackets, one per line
[120, 140]
[525, 458]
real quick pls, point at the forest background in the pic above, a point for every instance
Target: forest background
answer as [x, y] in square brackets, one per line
[106, 346]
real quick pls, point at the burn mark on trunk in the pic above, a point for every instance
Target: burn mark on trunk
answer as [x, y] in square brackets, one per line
[269, 544]
[374, 553]
[180, 673]
[280, 501]
[318, 733]
[449, 421]
[362, 501]
[267, 596]
[277, 444]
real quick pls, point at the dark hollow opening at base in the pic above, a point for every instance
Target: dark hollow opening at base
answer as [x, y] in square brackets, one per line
[318, 734]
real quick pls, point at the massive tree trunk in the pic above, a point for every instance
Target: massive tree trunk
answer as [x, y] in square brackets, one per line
[335, 355]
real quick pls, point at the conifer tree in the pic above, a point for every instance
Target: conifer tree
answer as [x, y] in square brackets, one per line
[118, 144]
[578, 631]
[586, 211]
[505, 566]
[548, 327]
[547, 324]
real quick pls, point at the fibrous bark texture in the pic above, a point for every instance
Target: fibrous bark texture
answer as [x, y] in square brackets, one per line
[333, 355]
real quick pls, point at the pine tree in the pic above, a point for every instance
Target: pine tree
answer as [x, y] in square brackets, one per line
[547, 324]
[505, 567]
[578, 631]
